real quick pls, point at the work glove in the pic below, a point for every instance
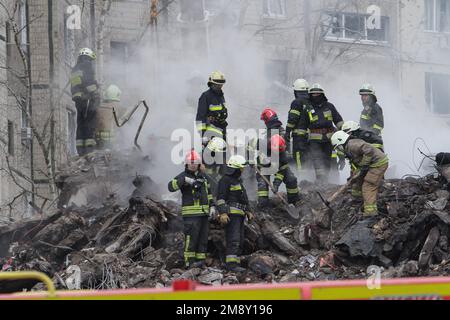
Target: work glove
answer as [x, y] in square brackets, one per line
[189, 181]
[276, 185]
[363, 171]
[250, 216]
[341, 163]
[224, 219]
[212, 213]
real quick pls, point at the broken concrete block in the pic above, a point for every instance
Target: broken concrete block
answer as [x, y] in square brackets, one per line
[262, 265]
[427, 250]
[210, 278]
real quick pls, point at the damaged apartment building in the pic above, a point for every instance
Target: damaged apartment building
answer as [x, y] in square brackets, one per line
[408, 41]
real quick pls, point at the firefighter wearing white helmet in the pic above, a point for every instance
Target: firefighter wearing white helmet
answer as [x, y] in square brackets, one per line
[214, 160]
[372, 115]
[86, 95]
[369, 163]
[301, 87]
[319, 120]
[105, 122]
[233, 207]
[354, 130]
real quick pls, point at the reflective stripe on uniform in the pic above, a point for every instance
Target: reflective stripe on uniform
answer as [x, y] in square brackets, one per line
[195, 209]
[215, 107]
[298, 160]
[91, 88]
[370, 208]
[365, 117]
[90, 143]
[315, 136]
[300, 132]
[235, 187]
[292, 191]
[312, 118]
[263, 193]
[221, 202]
[380, 163]
[295, 112]
[80, 143]
[234, 210]
[375, 126]
[232, 258]
[290, 125]
[214, 129]
[378, 146]
[200, 256]
[334, 154]
[175, 184]
[279, 176]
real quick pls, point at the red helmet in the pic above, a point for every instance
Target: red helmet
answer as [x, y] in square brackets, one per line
[277, 143]
[268, 114]
[193, 158]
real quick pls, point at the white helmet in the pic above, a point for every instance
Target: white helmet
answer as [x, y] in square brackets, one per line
[88, 52]
[217, 145]
[350, 126]
[237, 162]
[301, 85]
[217, 77]
[339, 138]
[316, 88]
[367, 88]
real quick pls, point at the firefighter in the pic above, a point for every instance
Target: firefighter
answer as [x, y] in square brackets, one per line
[197, 207]
[371, 165]
[354, 130]
[272, 142]
[233, 208]
[212, 111]
[301, 94]
[320, 118]
[372, 114]
[85, 94]
[105, 125]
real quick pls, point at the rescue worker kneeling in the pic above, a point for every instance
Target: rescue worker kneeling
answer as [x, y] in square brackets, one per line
[197, 207]
[371, 165]
[233, 207]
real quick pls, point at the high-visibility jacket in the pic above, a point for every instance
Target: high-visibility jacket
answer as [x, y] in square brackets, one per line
[82, 80]
[196, 198]
[372, 119]
[363, 154]
[212, 113]
[231, 195]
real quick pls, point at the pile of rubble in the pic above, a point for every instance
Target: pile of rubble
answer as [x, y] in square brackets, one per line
[137, 241]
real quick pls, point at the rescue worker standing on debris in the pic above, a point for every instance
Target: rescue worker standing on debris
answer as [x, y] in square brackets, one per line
[273, 142]
[85, 94]
[354, 130]
[105, 122]
[212, 111]
[372, 115]
[233, 207]
[299, 147]
[320, 118]
[197, 207]
[371, 165]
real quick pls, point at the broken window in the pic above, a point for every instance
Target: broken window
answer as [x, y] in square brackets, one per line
[437, 15]
[437, 93]
[11, 138]
[353, 26]
[274, 8]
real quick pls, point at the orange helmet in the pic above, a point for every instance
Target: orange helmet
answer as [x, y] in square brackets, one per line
[193, 158]
[277, 143]
[268, 114]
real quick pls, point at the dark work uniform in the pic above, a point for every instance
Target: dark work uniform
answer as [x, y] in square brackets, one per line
[212, 114]
[369, 137]
[372, 117]
[319, 119]
[85, 94]
[196, 201]
[232, 199]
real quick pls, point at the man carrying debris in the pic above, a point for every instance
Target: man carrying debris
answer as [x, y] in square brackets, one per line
[233, 207]
[197, 206]
[320, 118]
[372, 114]
[273, 141]
[105, 122]
[371, 166]
[85, 94]
[354, 130]
[301, 87]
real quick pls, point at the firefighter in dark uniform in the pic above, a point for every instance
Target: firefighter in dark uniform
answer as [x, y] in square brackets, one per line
[86, 95]
[372, 115]
[320, 120]
[354, 130]
[197, 207]
[273, 141]
[233, 207]
[301, 88]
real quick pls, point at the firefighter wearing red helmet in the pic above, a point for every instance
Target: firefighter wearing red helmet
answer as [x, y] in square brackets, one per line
[272, 142]
[197, 207]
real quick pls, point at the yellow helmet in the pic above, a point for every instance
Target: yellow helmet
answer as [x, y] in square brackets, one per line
[217, 77]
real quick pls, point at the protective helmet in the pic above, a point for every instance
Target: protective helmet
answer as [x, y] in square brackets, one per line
[277, 143]
[217, 145]
[301, 85]
[217, 77]
[113, 93]
[350, 126]
[88, 52]
[339, 138]
[268, 114]
[193, 158]
[316, 88]
[367, 88]
[237, 162]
